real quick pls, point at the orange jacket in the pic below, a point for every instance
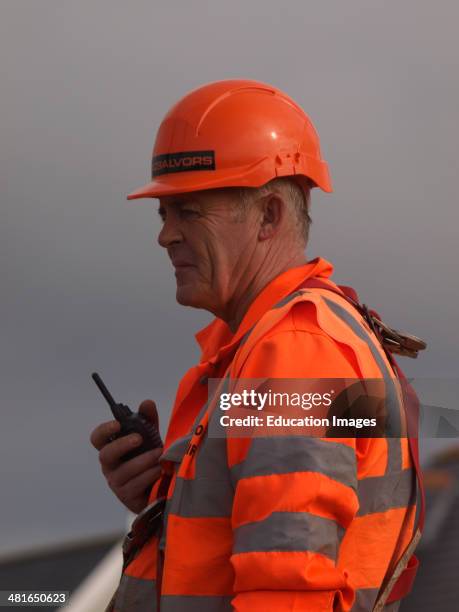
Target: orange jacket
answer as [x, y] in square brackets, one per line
[270, 524]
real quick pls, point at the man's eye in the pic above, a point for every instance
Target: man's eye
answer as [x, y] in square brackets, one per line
[189, 212]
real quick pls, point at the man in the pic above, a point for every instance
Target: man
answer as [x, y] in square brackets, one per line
[262, 523]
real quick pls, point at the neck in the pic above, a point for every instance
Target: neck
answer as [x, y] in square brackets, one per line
[238, 308]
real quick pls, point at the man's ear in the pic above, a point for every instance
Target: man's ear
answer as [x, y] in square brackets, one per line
[272, 210]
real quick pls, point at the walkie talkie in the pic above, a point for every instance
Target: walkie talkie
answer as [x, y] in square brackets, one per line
[131, 422]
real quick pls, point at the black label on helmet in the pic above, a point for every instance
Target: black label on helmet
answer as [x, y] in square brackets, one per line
[189, 161]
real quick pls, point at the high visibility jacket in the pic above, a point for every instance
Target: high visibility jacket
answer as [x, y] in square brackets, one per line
[277, 523]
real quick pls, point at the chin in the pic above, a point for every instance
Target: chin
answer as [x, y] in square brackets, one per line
[188, 295]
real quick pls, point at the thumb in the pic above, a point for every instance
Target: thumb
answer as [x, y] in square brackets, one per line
[148, 409]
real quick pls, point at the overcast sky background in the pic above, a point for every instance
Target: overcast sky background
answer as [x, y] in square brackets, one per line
[85, 287]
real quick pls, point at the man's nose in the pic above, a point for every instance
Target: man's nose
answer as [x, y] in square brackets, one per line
[170, 232]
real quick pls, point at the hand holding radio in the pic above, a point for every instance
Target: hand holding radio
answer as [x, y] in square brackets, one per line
[129, 448]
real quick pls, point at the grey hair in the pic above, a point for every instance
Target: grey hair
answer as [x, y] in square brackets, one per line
[296, 196]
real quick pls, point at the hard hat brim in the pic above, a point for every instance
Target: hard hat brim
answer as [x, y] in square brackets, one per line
[254, 175]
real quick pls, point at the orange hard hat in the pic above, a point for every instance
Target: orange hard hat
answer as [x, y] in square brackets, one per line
[233, 134]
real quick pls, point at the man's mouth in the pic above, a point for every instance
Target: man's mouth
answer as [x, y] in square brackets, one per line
[182, 268]
[181, 263]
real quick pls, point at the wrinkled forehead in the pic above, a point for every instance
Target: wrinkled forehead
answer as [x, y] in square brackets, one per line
[178, 199]
[204, 198]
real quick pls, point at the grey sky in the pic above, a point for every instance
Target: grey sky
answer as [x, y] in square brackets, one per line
[85, 286]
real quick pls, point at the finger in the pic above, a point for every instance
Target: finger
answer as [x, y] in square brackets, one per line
[148, 409]
[139, 484]
[110, 456]
[101, 435]
[129, 470]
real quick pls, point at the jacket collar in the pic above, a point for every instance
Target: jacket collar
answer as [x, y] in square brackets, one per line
[216, 338]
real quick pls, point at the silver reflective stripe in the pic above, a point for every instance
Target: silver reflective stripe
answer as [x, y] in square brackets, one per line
[394, 455]
[177, 449]
[364, 600]
[196, 603]
[135, 594]
[243, 340]
[381, 493]
[174, 453]
[288, 299]
[290, 531]
[202, 497]
[211, 458]
[211, 461]
[210, 493]
[201, 413]
[394, 428]
[285, 455]
[197, 420]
